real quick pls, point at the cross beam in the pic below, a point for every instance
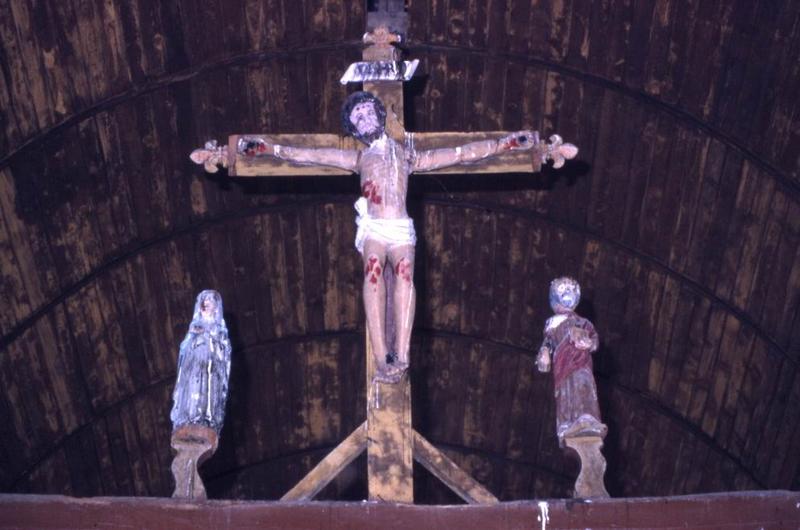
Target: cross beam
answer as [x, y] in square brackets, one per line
[240, 165]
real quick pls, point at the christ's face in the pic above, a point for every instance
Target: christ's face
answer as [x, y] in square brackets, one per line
[364, 118]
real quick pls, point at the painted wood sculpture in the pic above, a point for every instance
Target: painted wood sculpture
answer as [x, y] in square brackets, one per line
[201, 391]
[385, 236]
[385, 231]
[569, 341]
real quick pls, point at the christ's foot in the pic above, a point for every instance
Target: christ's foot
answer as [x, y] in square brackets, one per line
[390, 373]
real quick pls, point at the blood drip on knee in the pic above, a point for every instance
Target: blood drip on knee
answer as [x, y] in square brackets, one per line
[403, 269]
[372, 270]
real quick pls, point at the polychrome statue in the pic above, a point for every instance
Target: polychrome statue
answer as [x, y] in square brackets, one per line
[569, 341]
[204, 366]
[201, 390]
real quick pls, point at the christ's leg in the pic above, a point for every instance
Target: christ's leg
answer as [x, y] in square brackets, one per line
[375, 302]
[402, 259]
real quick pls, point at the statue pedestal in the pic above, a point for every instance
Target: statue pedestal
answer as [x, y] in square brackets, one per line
[193, 444]
[593, 466]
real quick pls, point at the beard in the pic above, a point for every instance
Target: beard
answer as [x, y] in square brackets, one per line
[370, 136]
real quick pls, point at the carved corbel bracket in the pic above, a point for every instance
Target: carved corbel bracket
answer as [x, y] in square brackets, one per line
[589, 483]
[193, 445]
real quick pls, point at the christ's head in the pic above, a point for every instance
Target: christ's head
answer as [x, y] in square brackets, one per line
[364, 117]
[565, 293]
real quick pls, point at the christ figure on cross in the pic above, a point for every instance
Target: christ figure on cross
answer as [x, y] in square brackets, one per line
[385, 235]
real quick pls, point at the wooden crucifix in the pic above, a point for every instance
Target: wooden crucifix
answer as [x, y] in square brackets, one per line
[386, 240]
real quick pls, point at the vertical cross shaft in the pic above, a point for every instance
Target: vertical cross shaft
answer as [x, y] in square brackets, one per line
[390, 450]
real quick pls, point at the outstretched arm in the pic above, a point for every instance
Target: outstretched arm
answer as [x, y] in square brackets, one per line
[254, 147]
[431, 159]
[346, 159]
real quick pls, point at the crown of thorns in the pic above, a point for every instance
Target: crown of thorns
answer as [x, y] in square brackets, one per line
[354, 99]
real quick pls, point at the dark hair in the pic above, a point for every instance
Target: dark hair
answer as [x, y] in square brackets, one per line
[349, 104]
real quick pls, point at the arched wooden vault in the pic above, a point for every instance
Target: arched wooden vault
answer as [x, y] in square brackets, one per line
[681, 219]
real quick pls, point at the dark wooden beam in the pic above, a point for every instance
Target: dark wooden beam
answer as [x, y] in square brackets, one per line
[734, 511]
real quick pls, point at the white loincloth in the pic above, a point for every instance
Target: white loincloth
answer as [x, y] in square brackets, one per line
[393, 232]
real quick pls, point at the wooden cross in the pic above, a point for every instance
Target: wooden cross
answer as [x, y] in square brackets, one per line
[387, 435]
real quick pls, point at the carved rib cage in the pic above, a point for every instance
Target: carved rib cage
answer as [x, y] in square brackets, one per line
[680, 217]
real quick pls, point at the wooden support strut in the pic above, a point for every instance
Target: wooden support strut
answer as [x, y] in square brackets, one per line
[330, 466]
[440, 465]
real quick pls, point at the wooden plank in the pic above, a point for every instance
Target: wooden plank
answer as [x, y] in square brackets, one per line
[665, 319]
[528, 392]
[517, 258]
[655, 196]
[449, 317]
[656, 80]
[744, 213]
[617, 165]
[478, 263]
[786, 322]
[492, 85]
[551, 25]
[477, 394]
[693, 158]
[292, 239]
[433, 222]
[720, 374]
[330, 466]
[521, 26]
[498, 306]
[692, 352]
[131, 286]
[732, 511]
[711, 171]
[576, 48]
[83, 58]
[769, 259]
[504, 367]
[322, 393]
[448, 472]
[330, 253]
[31, 84]
[751, 406]
[120, 459]
[638, 175]
[61, 365]
[737, 358]
[774, 291]
[438, 100]
[478, 24]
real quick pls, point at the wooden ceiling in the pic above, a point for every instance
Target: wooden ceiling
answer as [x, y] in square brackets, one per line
[681, 219]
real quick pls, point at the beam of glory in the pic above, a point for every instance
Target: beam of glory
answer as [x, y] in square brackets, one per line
[385, 237]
